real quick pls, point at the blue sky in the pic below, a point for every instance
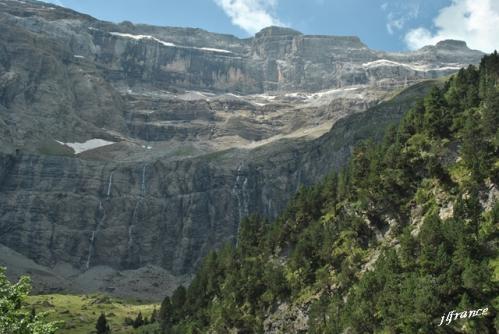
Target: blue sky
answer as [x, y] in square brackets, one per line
[381, 24]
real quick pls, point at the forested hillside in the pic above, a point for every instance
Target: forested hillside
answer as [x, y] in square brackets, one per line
[402, 236]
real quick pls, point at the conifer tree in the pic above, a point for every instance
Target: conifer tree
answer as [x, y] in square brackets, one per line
[166, 314]
[154, 316]
[139, 321]
[102, 326]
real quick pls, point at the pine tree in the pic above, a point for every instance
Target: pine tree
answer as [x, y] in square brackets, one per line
[178, 302]
[490, 118]
[139, 321]
[166, 314]
[154, 316]
[102, 326]
[32, 315]
[437, 119]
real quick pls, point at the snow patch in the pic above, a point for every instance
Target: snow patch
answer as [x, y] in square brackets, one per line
[332, 91]
[318, 95]
[87, 146]
[192, 95]
[386, 62]
[140, 37]
[445, 68]
[214, 50]
[266, 96]
[148, 37]
[234, 95]
[415, 67]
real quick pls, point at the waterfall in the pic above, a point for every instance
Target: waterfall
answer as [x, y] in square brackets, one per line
[298, 183]
[131, 227]
[235, 191]
[143, 184]
[90, 249]
[244, 193]
[130, 238]
[134, 214]
[110, 184]
[239, 191]
[91, 246]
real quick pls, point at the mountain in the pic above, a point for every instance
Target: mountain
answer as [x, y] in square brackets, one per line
[128, 152]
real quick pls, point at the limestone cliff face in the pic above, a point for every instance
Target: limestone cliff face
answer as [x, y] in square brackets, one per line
[58, 64]
[202, 130]
[134, 61]
[161, 212]
[275, 59]
[126, 216]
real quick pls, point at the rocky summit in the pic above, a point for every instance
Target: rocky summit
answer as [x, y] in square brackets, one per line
[129, 151]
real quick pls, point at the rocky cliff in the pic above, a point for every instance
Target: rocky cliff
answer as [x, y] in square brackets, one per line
[130, 145]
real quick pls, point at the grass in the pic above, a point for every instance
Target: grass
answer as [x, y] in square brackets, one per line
[80, 312]
[51, 147]
[217, 156]
[184, 151]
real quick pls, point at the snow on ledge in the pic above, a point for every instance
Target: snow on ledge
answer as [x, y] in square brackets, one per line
[148, 37]
[214, 50]
[88, 145]
[140, 37]
[415, 67]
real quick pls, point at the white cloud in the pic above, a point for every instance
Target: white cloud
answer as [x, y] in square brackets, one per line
[394, 23]
[474, 21]
[250, 15]
[399, 14]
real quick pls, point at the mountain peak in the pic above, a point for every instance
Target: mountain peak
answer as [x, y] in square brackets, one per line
[277, 31]
[452, 44]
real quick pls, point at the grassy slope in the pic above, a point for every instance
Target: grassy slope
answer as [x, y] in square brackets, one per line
[80, 313]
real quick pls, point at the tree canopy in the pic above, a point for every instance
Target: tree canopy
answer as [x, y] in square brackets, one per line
[404, 234]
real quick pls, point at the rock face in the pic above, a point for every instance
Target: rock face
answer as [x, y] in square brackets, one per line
[207, 129]
[164, 212]
[287, 319]
[58, 64]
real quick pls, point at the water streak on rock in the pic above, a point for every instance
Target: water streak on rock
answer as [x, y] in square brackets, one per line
[110, 184]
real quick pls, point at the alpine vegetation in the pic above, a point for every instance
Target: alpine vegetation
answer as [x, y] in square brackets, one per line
[405, 233]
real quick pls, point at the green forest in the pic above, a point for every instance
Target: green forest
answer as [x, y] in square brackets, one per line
[406, 233]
